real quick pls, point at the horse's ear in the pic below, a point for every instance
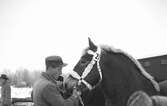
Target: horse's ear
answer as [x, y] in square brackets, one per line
[92, 46]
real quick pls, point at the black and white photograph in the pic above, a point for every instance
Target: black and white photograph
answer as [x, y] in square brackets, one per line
[83, 53]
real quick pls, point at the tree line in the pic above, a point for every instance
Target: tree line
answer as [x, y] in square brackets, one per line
[22, 77]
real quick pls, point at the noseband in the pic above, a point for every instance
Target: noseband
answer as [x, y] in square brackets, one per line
[95, 59]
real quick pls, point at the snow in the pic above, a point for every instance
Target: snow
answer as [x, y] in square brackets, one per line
[20, 92]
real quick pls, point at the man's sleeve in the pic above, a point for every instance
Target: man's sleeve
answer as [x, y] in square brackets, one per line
[53, 97]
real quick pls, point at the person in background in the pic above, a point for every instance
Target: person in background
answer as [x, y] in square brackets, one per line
[46, 91]
[5, 90]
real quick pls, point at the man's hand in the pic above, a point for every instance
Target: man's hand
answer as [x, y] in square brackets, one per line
[76, 93]
[59, 83]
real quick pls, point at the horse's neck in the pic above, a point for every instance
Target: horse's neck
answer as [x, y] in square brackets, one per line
[119, 88]
[117, 92]
[121, 78]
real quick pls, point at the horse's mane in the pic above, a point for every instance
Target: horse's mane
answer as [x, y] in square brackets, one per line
[136, 62]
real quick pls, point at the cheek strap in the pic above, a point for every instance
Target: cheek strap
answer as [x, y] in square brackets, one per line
[80, 80]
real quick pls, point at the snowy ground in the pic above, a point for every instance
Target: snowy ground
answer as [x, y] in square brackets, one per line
[20, 92]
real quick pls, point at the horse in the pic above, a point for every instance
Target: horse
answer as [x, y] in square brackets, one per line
[117, 73]
[94, 97]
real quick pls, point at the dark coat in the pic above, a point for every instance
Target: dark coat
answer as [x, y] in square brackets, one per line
[6, 94]
[47, 93]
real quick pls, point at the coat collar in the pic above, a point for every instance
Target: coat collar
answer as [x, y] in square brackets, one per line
[49, 77]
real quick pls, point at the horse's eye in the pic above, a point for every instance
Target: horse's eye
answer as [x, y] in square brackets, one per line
[83, 61]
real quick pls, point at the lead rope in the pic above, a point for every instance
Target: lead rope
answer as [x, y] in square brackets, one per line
[81, 101]
[79, 96]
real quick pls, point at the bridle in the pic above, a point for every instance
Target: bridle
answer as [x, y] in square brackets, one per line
[95, 59]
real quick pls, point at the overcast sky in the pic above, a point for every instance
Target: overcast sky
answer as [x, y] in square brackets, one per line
[30, 30]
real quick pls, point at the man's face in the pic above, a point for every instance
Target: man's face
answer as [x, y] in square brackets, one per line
[55, 71]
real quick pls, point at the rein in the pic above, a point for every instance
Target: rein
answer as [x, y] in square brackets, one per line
[95, 59]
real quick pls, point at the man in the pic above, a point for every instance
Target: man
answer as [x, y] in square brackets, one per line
[5, 91]
[46, 91]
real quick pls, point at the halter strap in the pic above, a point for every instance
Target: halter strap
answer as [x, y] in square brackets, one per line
[95, 59]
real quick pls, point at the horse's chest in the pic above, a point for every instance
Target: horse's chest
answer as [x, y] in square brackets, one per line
[108, 103]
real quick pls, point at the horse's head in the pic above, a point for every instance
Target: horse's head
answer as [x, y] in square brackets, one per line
[94, 97]
[87, 72]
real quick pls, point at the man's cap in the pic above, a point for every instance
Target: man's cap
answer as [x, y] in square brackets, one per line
[4, 76]
[54, 61]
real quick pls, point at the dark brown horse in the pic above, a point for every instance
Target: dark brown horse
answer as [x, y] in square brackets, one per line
[94, 97]
[117, 73]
